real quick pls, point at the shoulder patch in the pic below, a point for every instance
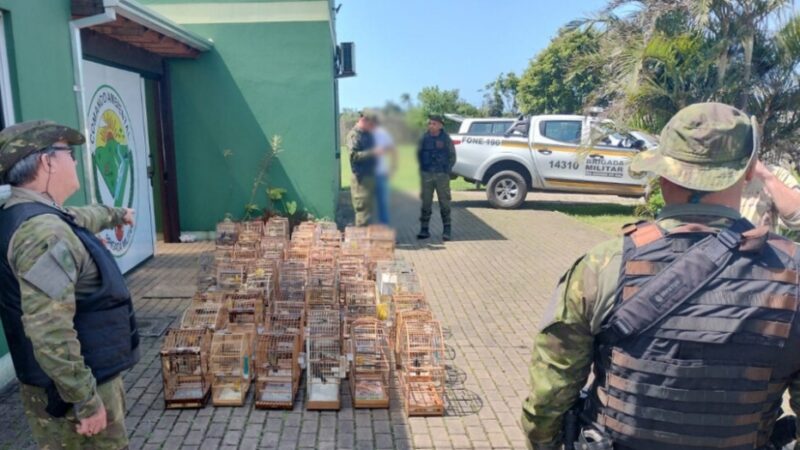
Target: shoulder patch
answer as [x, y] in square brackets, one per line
[53, 272]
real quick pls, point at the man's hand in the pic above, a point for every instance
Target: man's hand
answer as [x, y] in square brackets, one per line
[94, 424]
[129, 217]
[761, 172]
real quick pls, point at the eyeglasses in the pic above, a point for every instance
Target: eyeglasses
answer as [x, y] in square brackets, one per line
[63, 148]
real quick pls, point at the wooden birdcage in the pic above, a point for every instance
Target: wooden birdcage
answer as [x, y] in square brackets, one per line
[246, 254]
[359, 302]
[369, 367]
[227, 233]
[354, 234]
[277, 227]
[278, 370]
[325, 364]
[401, 317]
[422, 367]
[245, 307]
[287, 317]
[251, 231]
[185, 367]
[274, 249]
[213, 316]
[322, 290]
[403, 303]
[321, 256]
[231, 276]
[262, 277]
[231, 367]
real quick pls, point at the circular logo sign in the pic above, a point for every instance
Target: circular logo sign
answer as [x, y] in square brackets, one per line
[111, 136]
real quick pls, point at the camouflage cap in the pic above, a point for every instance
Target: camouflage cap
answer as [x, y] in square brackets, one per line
[370, 115]
[22, 139]
[704, 147]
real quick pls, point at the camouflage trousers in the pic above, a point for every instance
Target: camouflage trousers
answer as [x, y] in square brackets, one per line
[439, 182]
[52, 433]
[362, 191]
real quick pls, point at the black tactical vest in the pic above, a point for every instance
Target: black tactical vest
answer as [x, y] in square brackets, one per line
[712, 373]
[435, 153]
[104, 319]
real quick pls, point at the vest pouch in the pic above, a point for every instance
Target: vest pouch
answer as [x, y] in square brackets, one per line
[111, 330]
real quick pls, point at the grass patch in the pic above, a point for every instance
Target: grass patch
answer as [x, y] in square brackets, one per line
[608, 217]
[406, 178]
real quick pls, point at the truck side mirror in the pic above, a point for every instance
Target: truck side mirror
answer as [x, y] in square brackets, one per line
[639, 144]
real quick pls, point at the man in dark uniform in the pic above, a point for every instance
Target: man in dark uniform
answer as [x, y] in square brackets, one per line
[363, 160]
[689, 324]
[436, 155]
[66, 311]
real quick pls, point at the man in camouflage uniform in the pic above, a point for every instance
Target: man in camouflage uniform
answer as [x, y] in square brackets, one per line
[363, 160]
[707, 152]
[66, 312]
[436, 155]
[772, 199]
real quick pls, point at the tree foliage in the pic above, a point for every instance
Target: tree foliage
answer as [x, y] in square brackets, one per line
[500, 96]
[658, 56]
[553, 82]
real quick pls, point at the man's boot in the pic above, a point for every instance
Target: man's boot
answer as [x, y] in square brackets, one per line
[447, 233]
[423, 232]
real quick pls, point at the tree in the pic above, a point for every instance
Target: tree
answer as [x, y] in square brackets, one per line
[500, 95]
[657, 56]
[551, 84]
[433, 100]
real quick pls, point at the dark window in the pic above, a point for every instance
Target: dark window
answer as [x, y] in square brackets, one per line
[562, 130]
[489, 128]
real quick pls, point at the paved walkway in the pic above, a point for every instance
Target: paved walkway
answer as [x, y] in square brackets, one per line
[489, 287]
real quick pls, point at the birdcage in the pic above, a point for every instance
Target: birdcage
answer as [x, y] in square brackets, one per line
[401, 317]
[422, 370]
[287, 317]
[322, 290]
[277, 227]
[274, 249]
[245, 307]
[389, 273]
[185, 367]
[230, 276]
[404, 302]
[321, 256]
[359, 302]
[262, 277]
[325, 364]
[278, 370]
[231, 360]
[353, 234]
[369, 367]
[227, 233]
[205, 315]
[251, 231]
[246, 253]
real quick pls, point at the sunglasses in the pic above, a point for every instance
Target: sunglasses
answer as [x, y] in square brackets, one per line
[63, 148]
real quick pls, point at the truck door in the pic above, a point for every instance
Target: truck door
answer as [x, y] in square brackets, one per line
[555, 147]
[608, 158]
[476, 145]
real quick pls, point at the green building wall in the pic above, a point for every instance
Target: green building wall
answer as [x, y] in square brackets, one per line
[260, 80]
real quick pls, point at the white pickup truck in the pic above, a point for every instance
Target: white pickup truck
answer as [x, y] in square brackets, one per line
[566, 153]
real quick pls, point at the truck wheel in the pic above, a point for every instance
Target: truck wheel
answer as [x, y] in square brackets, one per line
[506, 190]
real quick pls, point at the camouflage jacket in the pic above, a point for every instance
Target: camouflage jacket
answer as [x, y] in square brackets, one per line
[758, 207]
[563, 350]
[362, 160]
[51, 265]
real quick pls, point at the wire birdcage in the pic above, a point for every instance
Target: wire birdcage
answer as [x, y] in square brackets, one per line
[321, 256]
[422, 366]
[369, 367]
[213, 316]
[274, 249]
[287, 317]
[325, 365]
[246, 254]
[231, 367]
[402, 303]
[262, 277]
[401, 317]
[277, 362]
[227, 233]
[251, 231]
[185, 367]
[355, 234]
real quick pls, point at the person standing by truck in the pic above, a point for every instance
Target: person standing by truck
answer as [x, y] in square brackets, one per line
[436, 155]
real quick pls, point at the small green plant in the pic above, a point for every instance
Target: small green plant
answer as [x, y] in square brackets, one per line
[654, 201]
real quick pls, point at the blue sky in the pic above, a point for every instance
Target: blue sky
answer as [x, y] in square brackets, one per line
[405, 45]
